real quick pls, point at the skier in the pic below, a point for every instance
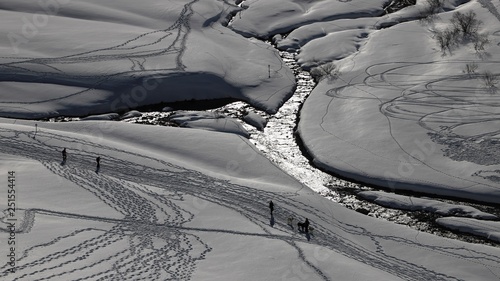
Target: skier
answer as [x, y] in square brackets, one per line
[306, 225]
[98, 160]
[303, 226]
[271, 206]
[64, 154]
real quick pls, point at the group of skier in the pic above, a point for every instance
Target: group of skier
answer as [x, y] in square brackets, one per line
[65, 156]
[302, 226]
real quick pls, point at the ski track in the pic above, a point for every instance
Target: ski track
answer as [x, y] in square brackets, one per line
[445, 102]
[169, 42]
[148, 215]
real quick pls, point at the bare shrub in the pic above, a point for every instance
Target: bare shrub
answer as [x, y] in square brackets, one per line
[467, 23]
[466, 26]
[470, 68]
[327, 70]
[490, 80]
[480, 41]
[447, 39]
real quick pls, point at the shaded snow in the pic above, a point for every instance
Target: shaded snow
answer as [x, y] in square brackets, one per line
[255, 120]
[209, 121]
[107, 116]
[487, 229]
[421, 204]
[264, 18]
[404, 116]
[131, 114]
[88, 57]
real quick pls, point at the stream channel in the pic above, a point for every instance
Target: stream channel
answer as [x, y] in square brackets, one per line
[279, 143]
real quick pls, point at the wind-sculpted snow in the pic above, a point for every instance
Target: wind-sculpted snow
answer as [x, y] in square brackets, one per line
[486, 229]
[152, 229]
[263, 19]
[87, 57]
[208, 121]
[422, 204]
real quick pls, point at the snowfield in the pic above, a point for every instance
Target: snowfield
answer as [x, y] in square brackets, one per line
[173, 203]
[85, 57]
[403, 115]
[191, 202]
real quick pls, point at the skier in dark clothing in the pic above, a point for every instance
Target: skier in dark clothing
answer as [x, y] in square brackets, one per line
[271, 206]
[303, 226]
[64, 154]
[306, 226]
[98, 160]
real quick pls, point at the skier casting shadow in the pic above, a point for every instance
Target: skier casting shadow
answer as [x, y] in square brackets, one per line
[303, 226]
[64, 156]
[36, 131]
[98, 164]
[271, 208]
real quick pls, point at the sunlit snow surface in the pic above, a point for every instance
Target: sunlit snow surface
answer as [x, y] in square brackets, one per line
[175, 203]
[190, 204]
[408, 117]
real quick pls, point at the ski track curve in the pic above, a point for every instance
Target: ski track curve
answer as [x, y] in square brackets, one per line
[170, 41]
[149, 215]
[403, 106]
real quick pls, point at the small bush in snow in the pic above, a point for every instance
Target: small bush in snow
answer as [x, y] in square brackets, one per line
[467, 23]
[447, 39]
[490, 80]
[327, 70]
[480, 41]
[471, 68]
[464, 28]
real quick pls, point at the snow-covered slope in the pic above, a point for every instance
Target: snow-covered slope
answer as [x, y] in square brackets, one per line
[402, 202]
[188, 204]
[266, 18]
[191, 204]
[404, 114]
[486, 229]
[85, 57]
